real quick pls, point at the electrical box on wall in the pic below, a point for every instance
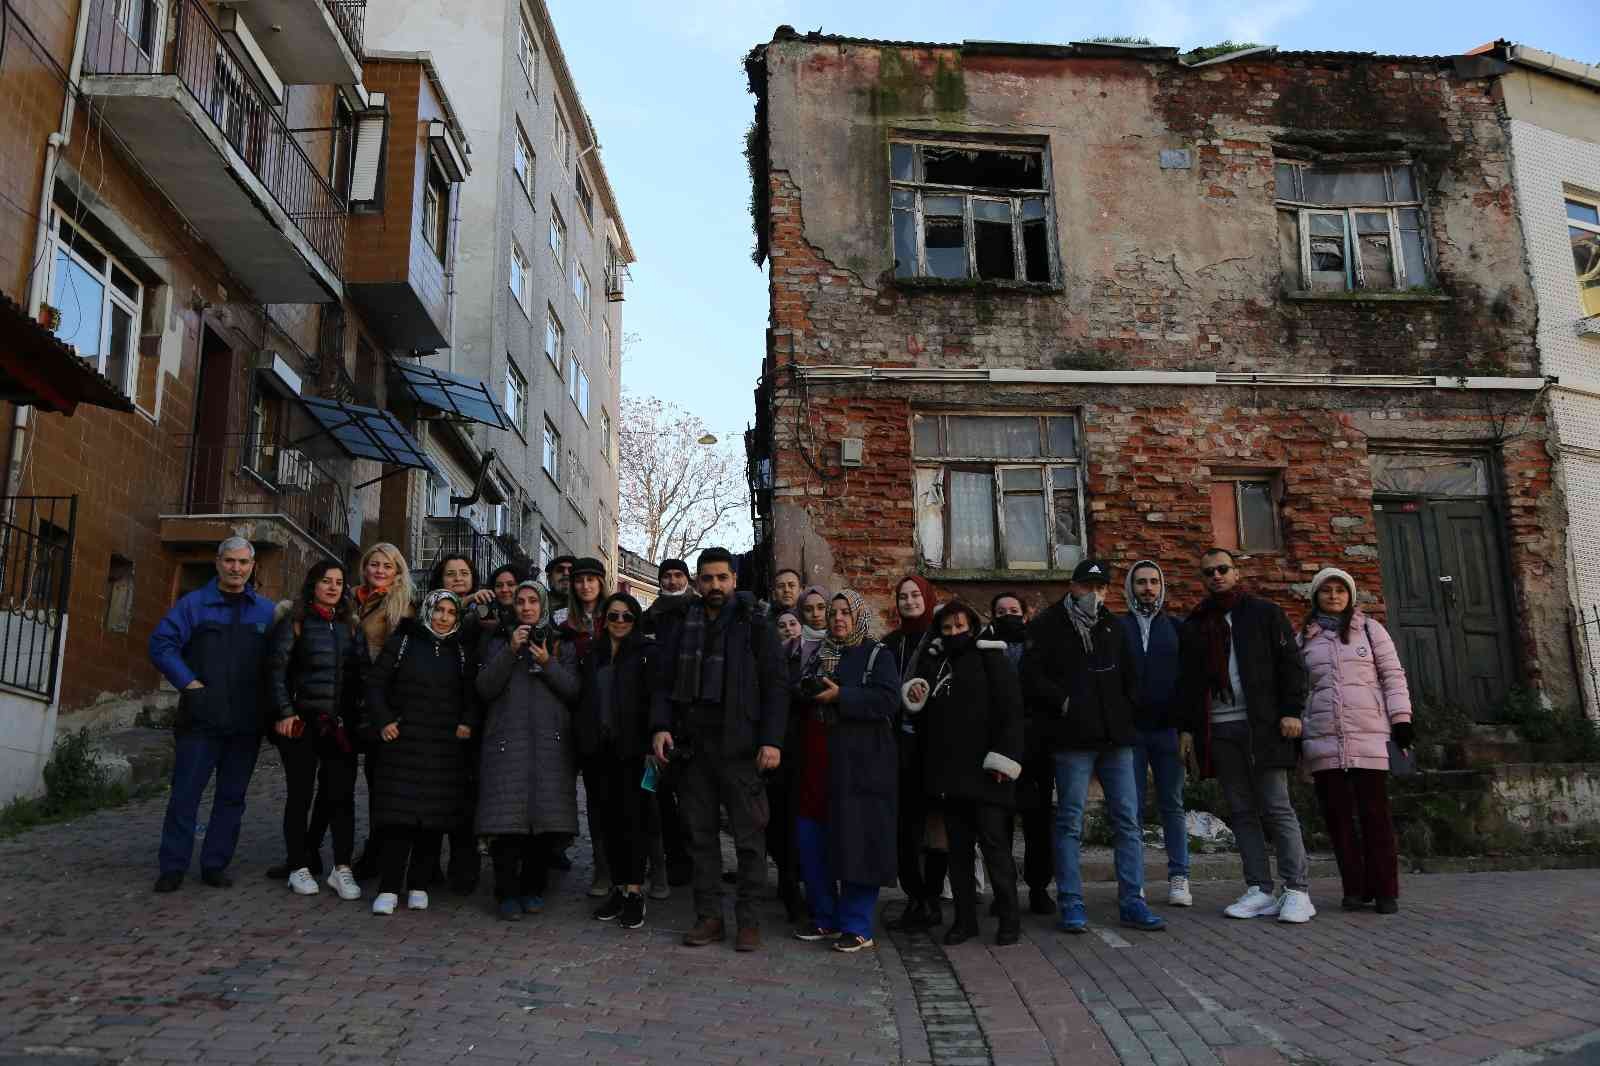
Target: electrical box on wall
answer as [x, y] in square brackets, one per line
[850, 451]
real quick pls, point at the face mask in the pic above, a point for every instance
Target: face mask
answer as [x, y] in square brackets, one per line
[1010, 628]
[956, 645]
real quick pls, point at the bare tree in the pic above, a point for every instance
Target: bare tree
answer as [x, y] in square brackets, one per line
[676, 494]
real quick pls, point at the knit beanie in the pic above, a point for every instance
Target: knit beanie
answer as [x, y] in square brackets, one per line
[1327, 573]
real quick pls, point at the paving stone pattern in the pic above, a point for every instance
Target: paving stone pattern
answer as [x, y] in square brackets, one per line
[1500, 967]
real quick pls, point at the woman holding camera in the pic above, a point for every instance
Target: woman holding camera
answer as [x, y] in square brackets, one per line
[528, 799]
[313, 672]
[845, 824]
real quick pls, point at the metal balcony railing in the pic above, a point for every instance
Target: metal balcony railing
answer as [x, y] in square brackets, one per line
[443, 534]
[36, 540]
[616, 277]
[199, 57]
[351, 18]
[244, 474]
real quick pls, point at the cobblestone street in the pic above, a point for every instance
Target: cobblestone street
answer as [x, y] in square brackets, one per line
[95, 968]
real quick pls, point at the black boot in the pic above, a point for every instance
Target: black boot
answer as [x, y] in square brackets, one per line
[932, 914]
[964, 926]
[1039, 901]
[913, 918]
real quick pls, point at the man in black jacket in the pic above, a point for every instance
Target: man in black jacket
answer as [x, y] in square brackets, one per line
[1244, 690]
[1079, 686]
[718, 713]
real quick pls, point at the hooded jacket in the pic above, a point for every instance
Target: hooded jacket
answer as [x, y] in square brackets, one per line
[1151, 643]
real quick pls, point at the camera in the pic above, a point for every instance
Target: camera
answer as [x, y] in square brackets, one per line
[812, 687]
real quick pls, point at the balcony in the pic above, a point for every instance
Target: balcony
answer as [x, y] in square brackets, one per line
[243, 476]
[198, 122]
[616, 278]
[309, 42]
[441, 534]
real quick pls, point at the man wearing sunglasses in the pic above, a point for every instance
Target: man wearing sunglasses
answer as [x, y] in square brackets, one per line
[1243, 689]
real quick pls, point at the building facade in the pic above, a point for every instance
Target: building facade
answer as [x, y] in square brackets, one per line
[1552, 108]
[539, 278]
[1031, 303]
[198, 244]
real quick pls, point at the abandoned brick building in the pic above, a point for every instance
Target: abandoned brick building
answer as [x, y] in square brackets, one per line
[1031, 302]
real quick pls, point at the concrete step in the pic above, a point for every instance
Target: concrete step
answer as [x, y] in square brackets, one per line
[136, 757]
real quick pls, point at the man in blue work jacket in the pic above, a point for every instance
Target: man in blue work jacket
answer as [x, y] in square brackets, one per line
[212, 646]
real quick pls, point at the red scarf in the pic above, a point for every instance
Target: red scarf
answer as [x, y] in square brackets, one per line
[919, 625]
[324, 613]
[1211, 617]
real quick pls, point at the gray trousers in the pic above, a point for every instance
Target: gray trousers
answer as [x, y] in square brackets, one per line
[708, 783]
[1258, 799]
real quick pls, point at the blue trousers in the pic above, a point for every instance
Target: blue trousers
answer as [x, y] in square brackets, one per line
[1114, 768]
[1157, 751]
[233, 759]
[834, 904]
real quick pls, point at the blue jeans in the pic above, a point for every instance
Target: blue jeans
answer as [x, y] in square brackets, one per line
[1157, 750]
[835, 904]
[234, 760]
[1114, 768]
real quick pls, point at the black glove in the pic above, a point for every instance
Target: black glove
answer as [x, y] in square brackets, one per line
[1403, 735]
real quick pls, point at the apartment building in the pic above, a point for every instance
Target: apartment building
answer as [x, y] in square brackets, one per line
[1030, 303]
[205, 248]
[538, 284]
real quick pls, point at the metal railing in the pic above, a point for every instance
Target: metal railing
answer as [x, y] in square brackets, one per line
[36, 539]
[444, 534]
[351, 18]
[616, 276]
[199, 57]
[243, 474]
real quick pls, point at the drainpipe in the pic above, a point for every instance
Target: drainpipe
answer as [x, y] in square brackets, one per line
[41, 239]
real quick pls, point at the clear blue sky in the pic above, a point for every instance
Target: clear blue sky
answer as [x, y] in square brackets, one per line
[664, 85]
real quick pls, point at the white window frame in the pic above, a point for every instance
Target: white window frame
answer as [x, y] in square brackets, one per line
[584, 194]
[582, 290]
[558, 236]
[517, 398]
[520, 280]
[605, 433]
[916, 188]
[578, 386]
[563, 140]
[555, 338]
[547, 549]
[606, 341]
[435, 233]
[550, 454]
[1588, 227]
[112, 297]
[135, 16]
[941, 466]
[1391, 209]
[527, 53]
[522, 161]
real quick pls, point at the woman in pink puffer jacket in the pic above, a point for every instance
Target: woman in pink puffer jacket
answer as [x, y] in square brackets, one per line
[1358, 701]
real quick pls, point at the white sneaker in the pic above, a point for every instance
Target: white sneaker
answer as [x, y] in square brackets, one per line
[1253, 904]
[1178, 894]
[385, 903]
[302, 882]
[1295, 906]
[416, 900]
[343, 881]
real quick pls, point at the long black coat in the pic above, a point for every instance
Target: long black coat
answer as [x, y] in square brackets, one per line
[1081, 701]
[631, 672]
[972, 724]
[424, 685]
[316, 671]
[862, 767]
[1270, 668]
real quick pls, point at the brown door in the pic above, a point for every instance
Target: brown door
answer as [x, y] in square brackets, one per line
[211, 458]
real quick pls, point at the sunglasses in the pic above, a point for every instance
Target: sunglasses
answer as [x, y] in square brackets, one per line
[618, 616]
[1212, 571]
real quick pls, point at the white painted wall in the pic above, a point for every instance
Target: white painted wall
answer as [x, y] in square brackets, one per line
[27, 735]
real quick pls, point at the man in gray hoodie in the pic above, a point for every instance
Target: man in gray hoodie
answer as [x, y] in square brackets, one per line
[1150, 640]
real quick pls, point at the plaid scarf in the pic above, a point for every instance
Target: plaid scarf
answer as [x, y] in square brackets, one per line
[1211, 619]
[833, 648]
[692, 657]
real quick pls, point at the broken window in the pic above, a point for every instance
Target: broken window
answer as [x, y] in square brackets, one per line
[1413, 474]
[998, 492]
[1583, 228]
[1353, 227]
[963, 211]
[1244, 513]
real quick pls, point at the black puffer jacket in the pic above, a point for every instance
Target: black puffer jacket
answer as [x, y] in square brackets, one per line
[315, 671]
[971, 724]
[425, 686]
[632, 669]
[1080, 700]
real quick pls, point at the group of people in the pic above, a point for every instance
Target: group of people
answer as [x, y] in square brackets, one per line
[850, 762]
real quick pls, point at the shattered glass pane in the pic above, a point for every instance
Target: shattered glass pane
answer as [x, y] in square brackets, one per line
[905, 244]
[1377, 255]
[1288, 186]
[1064, 438]
[902, 160]
[1068, 538]
[982, 168]
[1429, 475]
[1405, 182]
[1258, 518]
[997, 257]
[1345, 185]
[1025, 531]
[986, 437]
[1036, 250]
[944, 241]
[1579, 211]
[972, 532]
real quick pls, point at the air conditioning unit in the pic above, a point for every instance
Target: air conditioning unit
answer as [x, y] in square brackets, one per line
[294, 470]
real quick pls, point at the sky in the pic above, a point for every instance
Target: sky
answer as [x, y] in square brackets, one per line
[664, 85]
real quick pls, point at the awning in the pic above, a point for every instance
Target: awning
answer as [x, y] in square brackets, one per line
[365, 433]
[37, 369]
[453, 394]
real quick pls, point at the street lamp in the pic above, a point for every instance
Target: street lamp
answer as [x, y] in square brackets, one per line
[708, 438]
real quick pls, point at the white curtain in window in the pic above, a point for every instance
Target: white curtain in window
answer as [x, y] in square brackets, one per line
[972, 532]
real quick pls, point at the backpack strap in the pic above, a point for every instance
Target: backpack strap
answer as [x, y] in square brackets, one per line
[872, 660]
